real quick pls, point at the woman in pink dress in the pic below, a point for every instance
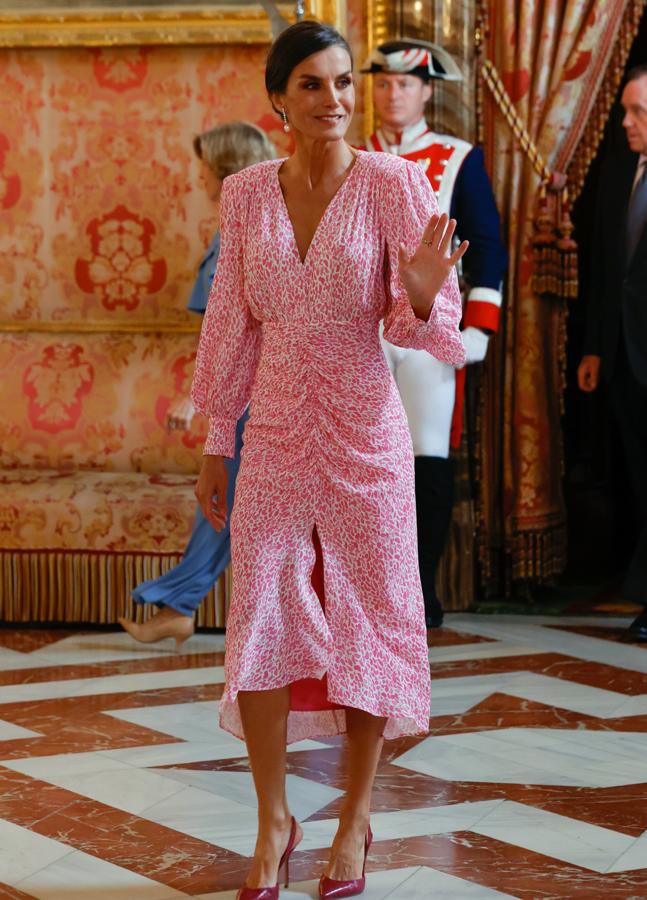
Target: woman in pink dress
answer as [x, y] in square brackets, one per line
[316, 250]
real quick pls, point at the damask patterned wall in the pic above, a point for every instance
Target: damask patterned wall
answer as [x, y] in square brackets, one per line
[103, 217]
[102, 213]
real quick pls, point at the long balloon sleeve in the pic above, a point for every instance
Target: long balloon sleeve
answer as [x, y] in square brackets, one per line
[230, 339]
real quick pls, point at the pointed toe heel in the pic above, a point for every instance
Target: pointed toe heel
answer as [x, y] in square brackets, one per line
[267, 893]
[272, 893]
[330, 889]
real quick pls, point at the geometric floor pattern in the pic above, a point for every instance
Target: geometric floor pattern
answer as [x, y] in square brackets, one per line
[116, 782]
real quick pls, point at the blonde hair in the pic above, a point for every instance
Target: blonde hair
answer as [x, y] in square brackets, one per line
[229, 148]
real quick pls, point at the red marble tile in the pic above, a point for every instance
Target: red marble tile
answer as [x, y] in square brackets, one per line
[147, 848]
[445, 637]
[11, 893]
[604, 632]
[503, 867]
[77, 724]
[26, 800]
[152, 850]
[25, 640]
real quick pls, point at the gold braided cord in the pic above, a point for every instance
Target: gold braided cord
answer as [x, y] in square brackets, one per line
[599, 116]
[509, 113]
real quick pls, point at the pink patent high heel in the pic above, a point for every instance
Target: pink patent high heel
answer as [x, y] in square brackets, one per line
[330, 889]
[272, 893]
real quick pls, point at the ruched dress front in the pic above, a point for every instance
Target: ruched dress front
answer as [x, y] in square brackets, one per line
[326, 447]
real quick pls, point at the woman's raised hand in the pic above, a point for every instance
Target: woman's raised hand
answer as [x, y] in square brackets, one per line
[424, 274]
[211, 491]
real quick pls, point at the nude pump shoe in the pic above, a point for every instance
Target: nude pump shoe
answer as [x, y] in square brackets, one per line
[159, 627]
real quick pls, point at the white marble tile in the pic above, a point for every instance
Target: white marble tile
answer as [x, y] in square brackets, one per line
[456, 704]
[530, 630]
[63, 764]
[533, 756]
[130, 790]
[635, 857]
[425, 882]
[455, 762]
[23, 852]
[632, 706]
[101, 778]
[454, 696]
[233, 825]
[79, 875]
[118, 645]
[195, 723]
[480, 650]
[460, 621]
[556, 692]
[12, 660]
[11, 732]
[564, 694]
[202, 815]
[560, 837]
[306, 797]
[177, 754]
[111, 684]
[87, 649]
[405, 823]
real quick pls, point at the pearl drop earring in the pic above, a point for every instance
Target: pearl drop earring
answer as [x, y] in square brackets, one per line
[286, 124]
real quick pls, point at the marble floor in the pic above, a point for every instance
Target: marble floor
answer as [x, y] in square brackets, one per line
[117, 784]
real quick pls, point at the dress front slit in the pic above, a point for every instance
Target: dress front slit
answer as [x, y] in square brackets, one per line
[311, 694]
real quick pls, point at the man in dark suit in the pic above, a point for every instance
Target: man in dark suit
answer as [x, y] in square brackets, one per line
[615, 346]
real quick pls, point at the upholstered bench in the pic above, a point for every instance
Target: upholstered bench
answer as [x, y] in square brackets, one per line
[95, 494]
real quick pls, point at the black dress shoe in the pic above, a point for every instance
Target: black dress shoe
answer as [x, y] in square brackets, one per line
[637, 631]
[434, 621]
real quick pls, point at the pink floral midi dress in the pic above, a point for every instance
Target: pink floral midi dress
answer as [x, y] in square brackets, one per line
[326, 447]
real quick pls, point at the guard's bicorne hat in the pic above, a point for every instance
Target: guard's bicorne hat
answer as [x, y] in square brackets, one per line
[412, 57]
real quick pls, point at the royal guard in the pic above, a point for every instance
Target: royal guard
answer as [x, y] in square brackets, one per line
[432, 392]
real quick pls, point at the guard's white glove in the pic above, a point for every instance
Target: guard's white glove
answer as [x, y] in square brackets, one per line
[475, 342]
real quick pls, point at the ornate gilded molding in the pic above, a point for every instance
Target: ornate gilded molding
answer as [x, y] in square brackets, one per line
[137, 25]
[377, 28]
[101, 326]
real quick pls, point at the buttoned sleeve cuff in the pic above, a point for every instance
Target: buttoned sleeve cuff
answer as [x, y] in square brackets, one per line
[221, 438]
[483, 309]
[437, 335]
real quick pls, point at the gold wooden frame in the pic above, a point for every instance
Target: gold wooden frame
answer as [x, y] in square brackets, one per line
[201, 24]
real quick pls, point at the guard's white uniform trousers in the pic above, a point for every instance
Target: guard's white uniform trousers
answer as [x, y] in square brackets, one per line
[427, 389]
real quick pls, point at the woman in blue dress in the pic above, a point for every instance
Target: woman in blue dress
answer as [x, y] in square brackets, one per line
[178, 593]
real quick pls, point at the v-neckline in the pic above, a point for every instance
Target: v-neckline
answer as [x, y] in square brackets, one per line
[324, 215]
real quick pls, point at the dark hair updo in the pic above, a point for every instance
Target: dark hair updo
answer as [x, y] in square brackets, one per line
[637, 72]
[295, 44]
